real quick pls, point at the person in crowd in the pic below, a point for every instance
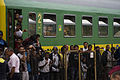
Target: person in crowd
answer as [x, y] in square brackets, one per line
[98, 62]
[73, 61]
[18, 43]
[71, 47]
[114, 61]
[117, 56]
[85, 44]
[84, 49]
[44, 67]
[107, 61]
[55, 67]
[114, 73]
[20, 19]
[14, 65]
[3, 43]
[16, 18]
[18, 32]
[63, 62]
[37, 44]
[33, 62]
[69, 67]
[24, 58]
[3, 67]
[90, 63]
[84, 68]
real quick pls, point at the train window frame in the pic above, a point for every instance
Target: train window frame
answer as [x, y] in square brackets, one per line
[43, 25]
[115, 26]
[82, 26]
[64, 25]
[35, 22]
[106, 26]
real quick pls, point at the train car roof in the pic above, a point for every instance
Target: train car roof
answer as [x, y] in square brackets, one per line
[96, 6]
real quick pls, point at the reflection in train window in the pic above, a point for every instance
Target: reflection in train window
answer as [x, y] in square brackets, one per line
[49, 25]
[32, 24]
[116, 25]
[103, 27]
[86, 26]
[69, 26]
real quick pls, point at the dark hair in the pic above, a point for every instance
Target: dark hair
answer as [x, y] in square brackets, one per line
[18, 24]
[1, 33]
[113, 48]
[97, 47]
[85, 42]
[37, 35]
[47, 53]
[10, 49]
[89, 45]
[21, 46]
[76, 46]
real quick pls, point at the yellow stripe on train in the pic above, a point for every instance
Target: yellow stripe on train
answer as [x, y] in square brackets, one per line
[49, 48]
[3, 18]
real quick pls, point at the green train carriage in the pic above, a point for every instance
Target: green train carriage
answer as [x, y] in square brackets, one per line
[60, 24]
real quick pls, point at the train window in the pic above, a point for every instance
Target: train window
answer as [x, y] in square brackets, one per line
[69, 26]
[32, 24]
[103, 27]
[49, 25]
[86, 26]
[116, 25]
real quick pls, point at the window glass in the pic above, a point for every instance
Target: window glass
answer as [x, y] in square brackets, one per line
[116, 25]
[69, 26]
[86, 26]
[32, 24]
[103, 27]
[49, 25]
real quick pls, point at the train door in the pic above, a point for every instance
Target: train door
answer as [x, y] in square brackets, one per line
[12, 15]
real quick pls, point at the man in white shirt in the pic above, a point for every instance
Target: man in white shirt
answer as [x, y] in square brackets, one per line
[85, 44]
[24, 58]
[44, 67]
[14, 64]
[55, 68]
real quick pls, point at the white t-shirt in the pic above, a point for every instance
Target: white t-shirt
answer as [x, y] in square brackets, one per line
[85, 49]
[14, 62]
[25, 64]
[19, 33]
[46, 68]
[55, 59]
[55, 62]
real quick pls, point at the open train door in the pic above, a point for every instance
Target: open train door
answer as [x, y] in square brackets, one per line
[11, 23]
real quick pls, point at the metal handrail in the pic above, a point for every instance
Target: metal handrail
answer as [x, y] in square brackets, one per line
[68, 51]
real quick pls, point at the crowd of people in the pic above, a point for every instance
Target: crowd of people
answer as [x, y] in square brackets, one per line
[28, 61]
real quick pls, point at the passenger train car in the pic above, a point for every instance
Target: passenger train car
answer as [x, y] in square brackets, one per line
[59, 24]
